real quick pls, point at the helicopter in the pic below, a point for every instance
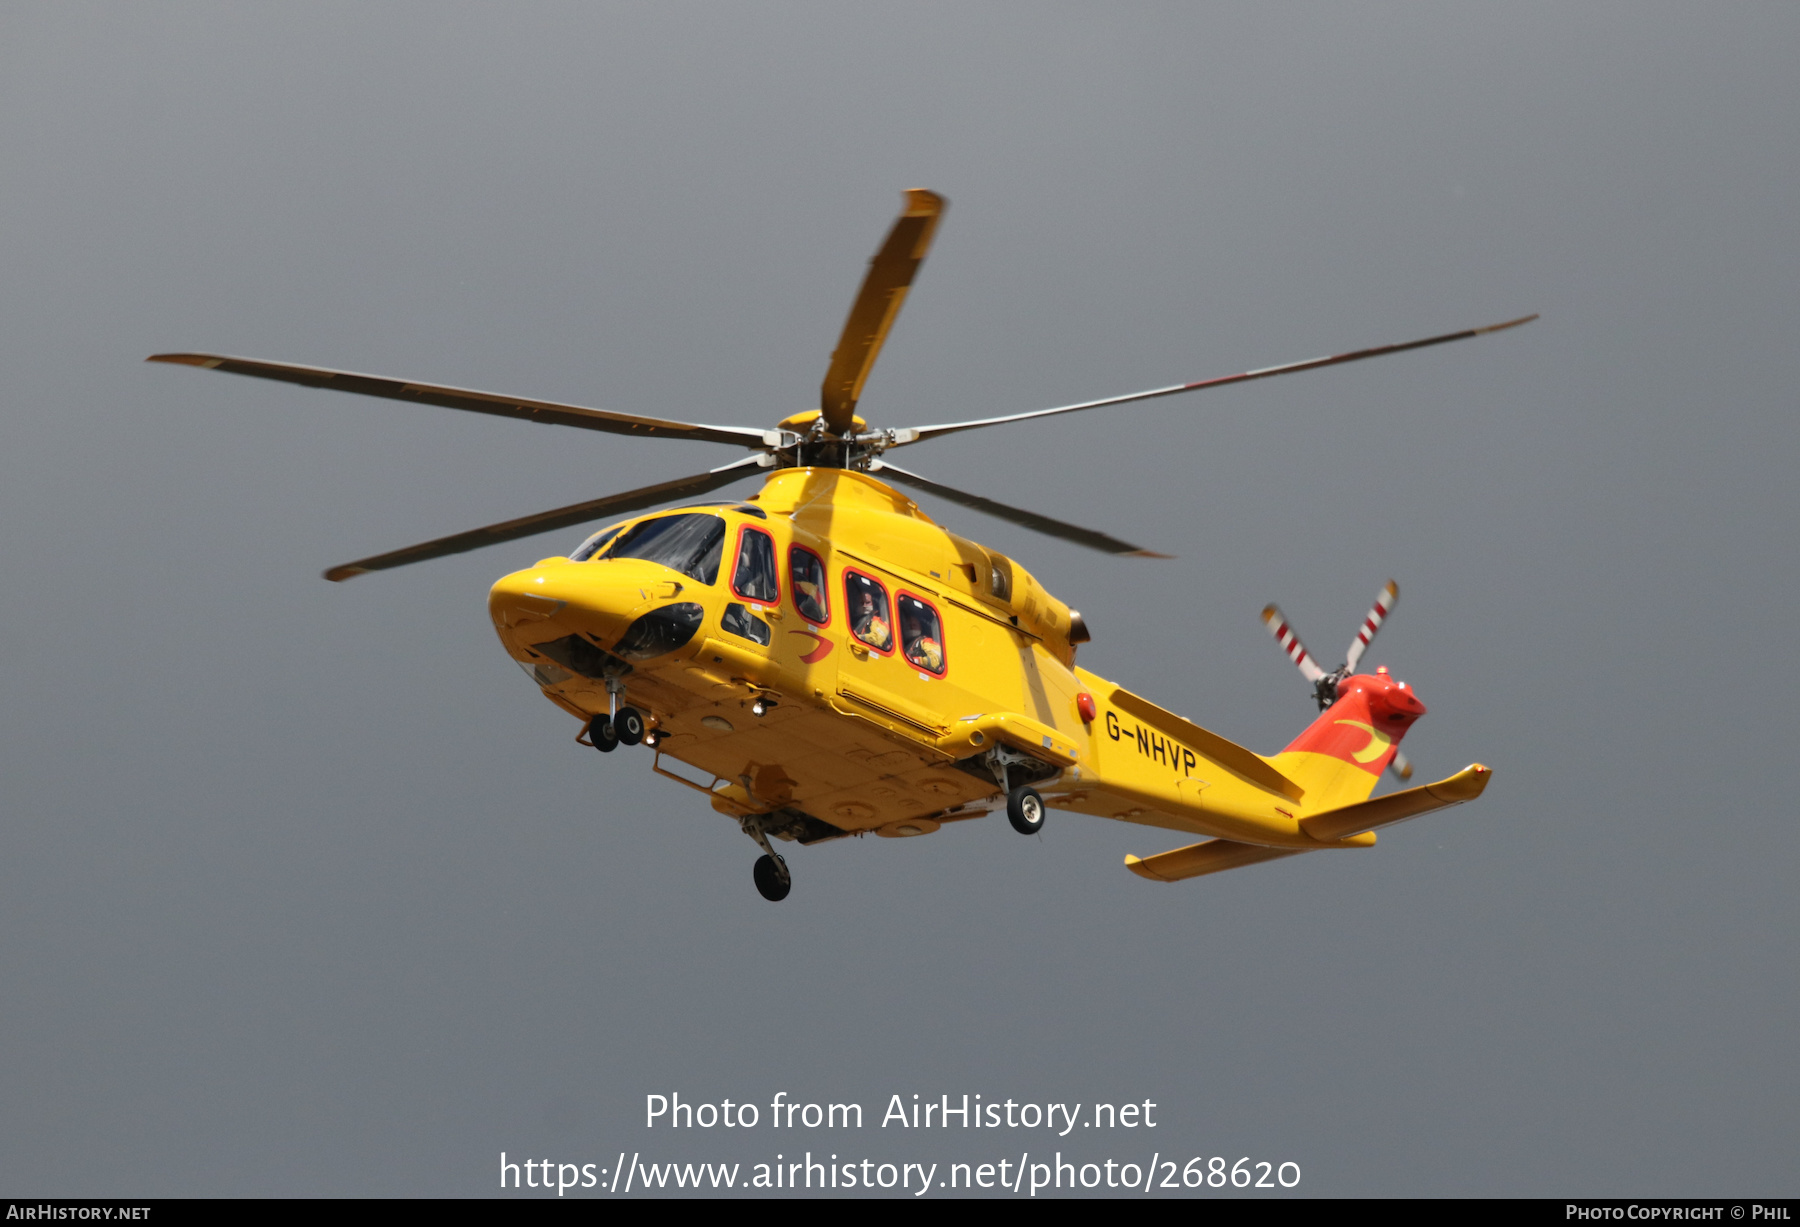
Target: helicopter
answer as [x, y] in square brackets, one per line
[821, 659]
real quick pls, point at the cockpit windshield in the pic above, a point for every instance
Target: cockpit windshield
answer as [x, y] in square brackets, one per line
[594, 544]
[690, 544]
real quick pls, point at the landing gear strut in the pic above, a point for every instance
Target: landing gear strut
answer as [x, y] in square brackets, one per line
[773, 880]
[621, 726]
[1024, 805]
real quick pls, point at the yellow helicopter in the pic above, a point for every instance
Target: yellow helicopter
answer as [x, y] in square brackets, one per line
[821, 659]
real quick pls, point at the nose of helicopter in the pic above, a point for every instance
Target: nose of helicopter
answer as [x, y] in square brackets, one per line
[601, 602]
[558, 598]
[525, 597]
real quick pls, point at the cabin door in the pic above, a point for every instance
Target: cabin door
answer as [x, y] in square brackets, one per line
[894, 662]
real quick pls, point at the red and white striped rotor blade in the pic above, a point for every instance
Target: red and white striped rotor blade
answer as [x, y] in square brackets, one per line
[1290, 643]
[1365, 635]
[1401, 766]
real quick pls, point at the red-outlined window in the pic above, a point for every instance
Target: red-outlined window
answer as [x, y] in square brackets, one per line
[754, 576]
[866, 606]
[921, 633]
[808, 583]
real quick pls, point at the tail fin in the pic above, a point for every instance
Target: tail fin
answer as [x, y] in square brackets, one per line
[1340, 757]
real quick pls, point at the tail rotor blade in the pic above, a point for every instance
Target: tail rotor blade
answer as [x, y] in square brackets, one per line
[1401, 766]
[1365, 635]
[1290, 643]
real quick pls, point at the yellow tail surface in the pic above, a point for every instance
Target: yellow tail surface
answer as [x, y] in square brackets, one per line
[1353, 825]
[1330, 782]
[1341, 755]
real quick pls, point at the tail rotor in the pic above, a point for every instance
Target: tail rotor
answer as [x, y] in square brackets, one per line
[1325, 684]
[1385, 601]
[1290, 643]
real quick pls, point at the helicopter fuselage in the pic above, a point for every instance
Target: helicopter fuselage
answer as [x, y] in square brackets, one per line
[828, 658]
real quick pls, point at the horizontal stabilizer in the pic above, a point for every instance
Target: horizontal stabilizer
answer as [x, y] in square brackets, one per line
[1213, 856]
[1335, 824]
[1217, 855]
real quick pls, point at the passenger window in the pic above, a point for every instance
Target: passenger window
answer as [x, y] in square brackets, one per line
[807, 574]
[740, 621]
[867, 602]
[754, 579]
[921, 634]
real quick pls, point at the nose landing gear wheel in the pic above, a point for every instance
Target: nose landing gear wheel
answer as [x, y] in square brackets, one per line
[600, 732]
[772, 881]
[1025, 810]
[628, 723]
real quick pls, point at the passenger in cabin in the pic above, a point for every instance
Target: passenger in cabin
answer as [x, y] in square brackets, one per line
[809, 599]
[919, 635]
[867, 622]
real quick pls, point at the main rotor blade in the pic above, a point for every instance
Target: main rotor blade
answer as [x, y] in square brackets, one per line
[542, 411]
[891, 273]
[1385, 601]
[562, 517]
[1029, 519]
[916, 433]
[1276, 621]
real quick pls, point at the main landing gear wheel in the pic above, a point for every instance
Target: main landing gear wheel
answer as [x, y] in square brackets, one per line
[772, 881]
[600, 732]
[1025, 810]
[628, 723]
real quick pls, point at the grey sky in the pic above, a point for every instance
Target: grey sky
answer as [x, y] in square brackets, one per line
[306, 891]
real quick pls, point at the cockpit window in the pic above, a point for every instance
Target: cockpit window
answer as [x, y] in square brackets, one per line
[808, 575]
[594, 544]
[690, 544]
[754, 578]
